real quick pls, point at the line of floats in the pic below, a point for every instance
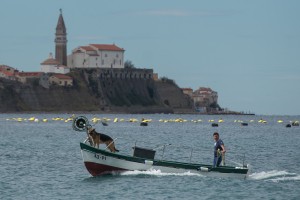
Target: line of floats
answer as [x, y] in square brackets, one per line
[144, 122]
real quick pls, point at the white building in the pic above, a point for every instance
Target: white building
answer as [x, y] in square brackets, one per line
[97, 56]
[52, 65]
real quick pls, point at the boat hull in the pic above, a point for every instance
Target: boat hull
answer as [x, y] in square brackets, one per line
[100, 162]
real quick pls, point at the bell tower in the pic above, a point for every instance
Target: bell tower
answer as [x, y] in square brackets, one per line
[61, 41]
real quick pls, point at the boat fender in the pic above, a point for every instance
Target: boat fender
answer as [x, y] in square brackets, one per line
[204, 169]
[148, 162]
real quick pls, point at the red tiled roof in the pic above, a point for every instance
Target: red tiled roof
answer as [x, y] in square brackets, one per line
[108, 47]
[29, 74]
[6, 73]
[62, 76]
[50, 61]
[87, 48]
[7, 68]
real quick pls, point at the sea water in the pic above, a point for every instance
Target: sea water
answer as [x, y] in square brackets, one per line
[42, 160]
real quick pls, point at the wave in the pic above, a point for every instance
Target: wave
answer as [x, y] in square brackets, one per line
[154, 172]
[275, 176]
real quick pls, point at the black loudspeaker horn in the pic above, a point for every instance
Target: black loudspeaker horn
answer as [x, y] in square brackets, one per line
[81, 123]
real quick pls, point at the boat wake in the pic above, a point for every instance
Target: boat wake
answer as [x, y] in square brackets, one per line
[275, 176]
[153, 172]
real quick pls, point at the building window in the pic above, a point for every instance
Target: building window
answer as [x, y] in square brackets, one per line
[117, 55]
[105, 55]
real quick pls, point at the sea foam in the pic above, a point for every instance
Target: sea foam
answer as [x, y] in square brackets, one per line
[153, 172]
[275, 176]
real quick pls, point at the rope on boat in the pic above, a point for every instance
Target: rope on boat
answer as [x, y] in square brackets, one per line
[240, 164]
[110, 143]
[237, 163]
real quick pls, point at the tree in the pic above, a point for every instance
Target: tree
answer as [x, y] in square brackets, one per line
[215, 105]
[128, 64]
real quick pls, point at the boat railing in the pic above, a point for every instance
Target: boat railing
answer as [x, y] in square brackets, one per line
[188, 154]
[175, 152]
[169, 151]
[196, 155]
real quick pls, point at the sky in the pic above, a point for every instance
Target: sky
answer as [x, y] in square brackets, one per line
[247, 51]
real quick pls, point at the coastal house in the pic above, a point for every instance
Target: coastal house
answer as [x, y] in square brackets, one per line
[61, 80]
[205, 97]
[7, 72]
[205, 100]
[52, 65]
[97, 56]
[8, 69]
[24, 77]
[7, 75]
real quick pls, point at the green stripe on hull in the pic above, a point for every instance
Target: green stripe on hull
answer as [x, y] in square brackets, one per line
[164, 163]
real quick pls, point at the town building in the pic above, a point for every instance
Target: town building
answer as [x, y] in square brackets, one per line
[24, 77]
[52, 65]
[8, 69]
[7, 72]
[7, 75]
[97, 56]
[205, 97]
[61, 80]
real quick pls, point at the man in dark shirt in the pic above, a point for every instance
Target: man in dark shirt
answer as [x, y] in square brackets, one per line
[219, 150]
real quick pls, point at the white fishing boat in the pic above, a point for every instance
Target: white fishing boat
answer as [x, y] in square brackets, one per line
[101, 161]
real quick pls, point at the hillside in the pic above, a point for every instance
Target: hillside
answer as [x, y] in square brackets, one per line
[90, 93]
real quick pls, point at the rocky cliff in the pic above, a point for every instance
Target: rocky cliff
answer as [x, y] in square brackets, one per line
[91, 92]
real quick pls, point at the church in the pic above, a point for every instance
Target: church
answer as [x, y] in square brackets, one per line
[97, 56]
[90, 56]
